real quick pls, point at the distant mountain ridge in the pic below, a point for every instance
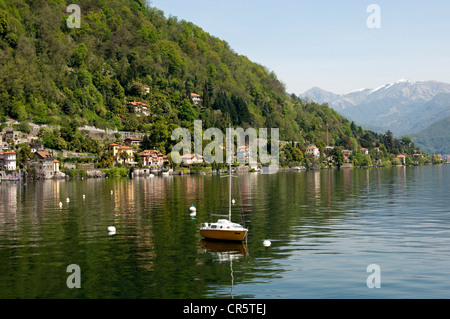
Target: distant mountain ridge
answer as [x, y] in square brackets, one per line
[435, 138]
[404, 107]
[319, 95]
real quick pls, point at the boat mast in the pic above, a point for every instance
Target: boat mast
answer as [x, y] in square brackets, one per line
[229, 172]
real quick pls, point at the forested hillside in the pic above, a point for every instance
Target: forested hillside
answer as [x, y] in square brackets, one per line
[126, 50]
[435, 138]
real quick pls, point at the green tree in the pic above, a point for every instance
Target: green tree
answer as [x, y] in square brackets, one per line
[187, 112]
[361, 159]
[159, 137]
[389, 141]
[79, 55]
[23, 156]
[3, 23]
[124, 156]
[106, 160]
[338, 156]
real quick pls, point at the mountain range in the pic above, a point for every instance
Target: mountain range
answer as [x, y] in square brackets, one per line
[404, 107]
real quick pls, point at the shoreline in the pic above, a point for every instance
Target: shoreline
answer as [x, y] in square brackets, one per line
[21, 176]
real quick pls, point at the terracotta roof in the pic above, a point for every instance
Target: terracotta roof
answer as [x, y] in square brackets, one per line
[43, 154]
[134, 103]
[187, 156]
[150, 153]
[133, 139]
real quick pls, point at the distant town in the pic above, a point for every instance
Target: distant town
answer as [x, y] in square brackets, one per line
[23, 155]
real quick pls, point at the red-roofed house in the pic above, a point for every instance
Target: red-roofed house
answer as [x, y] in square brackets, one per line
[47, 165]
[139, 108]
[364, 151]
[133, 141]
[8, 161]
[402, 158]
[153, 158]
[313, 150]
[196, 99]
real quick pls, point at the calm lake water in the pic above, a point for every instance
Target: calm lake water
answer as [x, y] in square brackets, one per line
[326, 228]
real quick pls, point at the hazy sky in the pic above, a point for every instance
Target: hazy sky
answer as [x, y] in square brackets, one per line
[328, 43]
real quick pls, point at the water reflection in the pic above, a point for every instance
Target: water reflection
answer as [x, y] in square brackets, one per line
[225, 252]
[322, 224]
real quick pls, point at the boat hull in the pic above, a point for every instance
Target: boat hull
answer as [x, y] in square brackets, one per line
[224, 234]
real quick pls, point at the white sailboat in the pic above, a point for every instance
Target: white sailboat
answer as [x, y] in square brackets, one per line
[224, 229]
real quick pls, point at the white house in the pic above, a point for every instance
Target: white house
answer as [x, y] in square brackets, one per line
[8, 161]
[139, 108]
[196, 98]
[313, 150]
[190, 159]
[364, 151]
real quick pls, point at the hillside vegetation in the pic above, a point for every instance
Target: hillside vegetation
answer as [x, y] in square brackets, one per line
[435, 139]
[71, 77]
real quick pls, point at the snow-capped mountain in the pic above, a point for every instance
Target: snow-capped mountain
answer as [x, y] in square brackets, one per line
[404, 107]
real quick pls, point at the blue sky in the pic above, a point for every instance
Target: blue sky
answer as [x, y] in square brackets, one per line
[328, 43]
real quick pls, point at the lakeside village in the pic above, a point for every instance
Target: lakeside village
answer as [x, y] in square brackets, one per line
[122, 154]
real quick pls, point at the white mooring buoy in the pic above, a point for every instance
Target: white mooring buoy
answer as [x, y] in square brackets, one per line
[266, 242]
[193, 211]
[111, 230]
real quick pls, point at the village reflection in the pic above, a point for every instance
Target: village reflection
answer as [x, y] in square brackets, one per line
[8, 205]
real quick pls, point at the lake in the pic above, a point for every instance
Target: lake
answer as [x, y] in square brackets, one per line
[326, 228]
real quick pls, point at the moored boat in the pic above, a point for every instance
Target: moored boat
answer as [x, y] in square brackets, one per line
[224, 229]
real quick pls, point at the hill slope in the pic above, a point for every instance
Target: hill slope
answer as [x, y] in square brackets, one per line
[435, 139]
[128, 51]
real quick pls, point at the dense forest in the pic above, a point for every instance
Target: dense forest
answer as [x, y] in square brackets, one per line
[126, 50]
